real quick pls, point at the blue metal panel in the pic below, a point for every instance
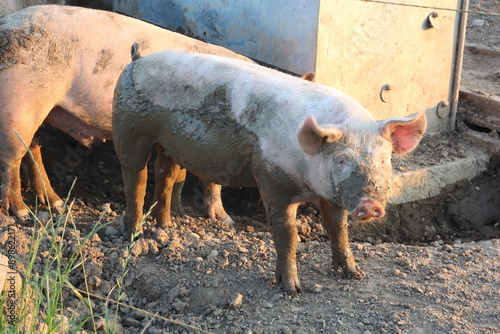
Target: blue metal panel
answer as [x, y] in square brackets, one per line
[281, 33]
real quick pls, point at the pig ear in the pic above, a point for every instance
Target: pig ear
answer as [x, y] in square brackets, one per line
[404, 132]
[309, 76]
[311, 136]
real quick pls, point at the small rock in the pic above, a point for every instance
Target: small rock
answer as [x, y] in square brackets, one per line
[242, 250]
[155, 330]
[213, 254]
[43, 217]
[6, 220]
[447, 248]
[179, 306]
[140, 247]
[236, 300]
[161, 237]
[112, 232]
[177, 292]
[95, 238]
[218, 312]
[105, 208]
[317, 288]
[478, 22]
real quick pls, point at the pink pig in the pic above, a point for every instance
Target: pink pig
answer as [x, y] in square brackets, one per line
[240, 124]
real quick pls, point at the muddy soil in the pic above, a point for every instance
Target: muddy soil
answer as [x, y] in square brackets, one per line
[431, 266]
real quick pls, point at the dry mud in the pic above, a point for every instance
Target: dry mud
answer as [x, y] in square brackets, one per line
[431, 266]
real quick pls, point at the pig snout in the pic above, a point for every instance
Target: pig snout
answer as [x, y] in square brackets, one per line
[368, 209]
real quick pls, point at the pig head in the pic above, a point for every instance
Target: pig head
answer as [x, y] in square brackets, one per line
[240, 124]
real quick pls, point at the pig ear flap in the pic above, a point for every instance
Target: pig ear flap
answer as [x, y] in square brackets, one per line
[311, 136]
[404, 132]
[309, 76]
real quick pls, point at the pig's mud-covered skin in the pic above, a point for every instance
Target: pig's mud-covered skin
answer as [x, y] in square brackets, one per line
[240, 124]
[59, 65]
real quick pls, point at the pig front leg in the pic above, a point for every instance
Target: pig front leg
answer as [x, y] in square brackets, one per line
[285, 237]
[336, 223]
[281, 214]
[166, 176]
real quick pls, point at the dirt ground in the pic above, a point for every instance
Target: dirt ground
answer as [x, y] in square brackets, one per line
[431, 266]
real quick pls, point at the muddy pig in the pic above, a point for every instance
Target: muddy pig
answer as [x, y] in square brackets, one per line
[59, 65]
[240, 124]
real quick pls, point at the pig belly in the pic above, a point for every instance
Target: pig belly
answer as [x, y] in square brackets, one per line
[220, 151]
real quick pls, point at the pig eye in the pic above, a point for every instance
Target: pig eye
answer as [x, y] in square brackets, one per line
[342, 161]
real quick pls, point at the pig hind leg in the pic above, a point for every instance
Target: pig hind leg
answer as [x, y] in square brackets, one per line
[167, 175]
[133, 156]
[11, 188]
[12, 151]
[335, 223]
[176, 206]
[213, 202]
[38, 176]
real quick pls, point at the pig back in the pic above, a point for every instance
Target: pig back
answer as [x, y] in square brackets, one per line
[81, 52]
[205, 108]
[194, 130]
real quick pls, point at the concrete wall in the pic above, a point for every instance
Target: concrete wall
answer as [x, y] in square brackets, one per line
[281, 33]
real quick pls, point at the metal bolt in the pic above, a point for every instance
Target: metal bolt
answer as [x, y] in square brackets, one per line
[385, 97]
[442, 109]
[433, 20]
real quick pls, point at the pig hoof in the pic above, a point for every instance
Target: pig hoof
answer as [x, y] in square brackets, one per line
[164, 223]
[292, 288]
[128, 230]
[24, 219]
[227, 220]
[178, 210]
[58, 207]
[354, 274]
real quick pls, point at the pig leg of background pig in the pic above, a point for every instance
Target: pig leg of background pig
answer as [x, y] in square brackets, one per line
[176, 206]
[134, 170]
[335, 223]
[166, 172]
[38, 176]
[213, 202]
[11, 188]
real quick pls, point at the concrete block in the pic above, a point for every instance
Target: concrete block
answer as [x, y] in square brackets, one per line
[428, 182]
